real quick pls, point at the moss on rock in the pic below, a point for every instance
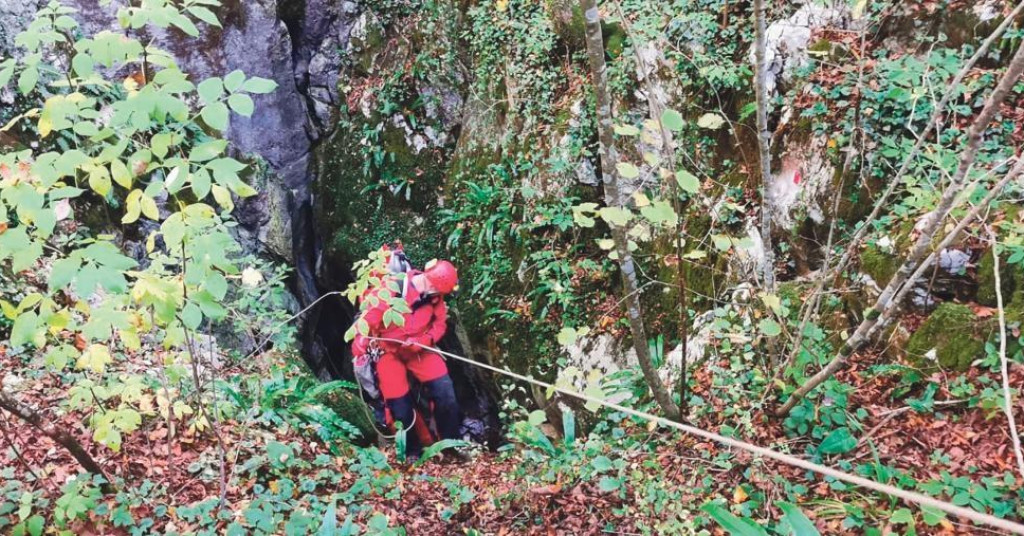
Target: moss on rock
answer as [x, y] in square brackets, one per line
[879, 265]
[955, 332]
[987, 281]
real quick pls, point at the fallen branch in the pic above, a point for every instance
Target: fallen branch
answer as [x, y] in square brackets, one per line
[1004, 366]
[58, 435]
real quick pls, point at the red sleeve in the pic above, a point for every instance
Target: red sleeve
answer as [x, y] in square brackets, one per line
[359, 345]
[440, 322]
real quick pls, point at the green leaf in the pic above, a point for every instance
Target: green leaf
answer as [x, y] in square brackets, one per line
[602, 464]
[186, 25]
[687, 182]
[329, 526]
[722, 242]
[838, 442]
[799, 524]
[609, 484]
[234, 80]
[5, 75]
[615, 215]
[210, 90]
[62, 273]
[35, 525]
[436, 448]
[903, 516]
[259, 85]
[627, 170]
[204, 15]
[537, 417]
[201, 184]
[672, 120]
[216, 115]
[241, 104]
[119, 172]
[734, 525]
[208, 151]
[83, 64]
[149, 208]
[191, 316]
[769, 327]
[133, 207]
[710, 121]
[99, 180]
[660, 212]
[25, 330]
[160, 144]
[932, 516]
[28, 80]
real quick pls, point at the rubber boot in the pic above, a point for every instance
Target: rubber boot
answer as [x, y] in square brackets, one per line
[403, 409]
[446, 408]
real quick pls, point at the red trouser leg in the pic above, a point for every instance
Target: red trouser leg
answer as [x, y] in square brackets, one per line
[394, 367]
[392, 376]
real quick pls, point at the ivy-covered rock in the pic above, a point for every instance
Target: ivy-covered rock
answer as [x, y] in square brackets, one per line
[956, 334]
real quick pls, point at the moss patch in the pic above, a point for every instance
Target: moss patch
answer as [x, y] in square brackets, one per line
[987, 281]
[879, 265]
[955, 332]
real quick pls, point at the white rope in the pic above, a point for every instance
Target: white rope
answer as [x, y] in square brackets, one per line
[909, 496]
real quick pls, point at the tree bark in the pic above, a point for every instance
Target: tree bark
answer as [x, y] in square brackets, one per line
[595, 51]
[657, 110]
[59, 436]
[872, 326]
[763, 146]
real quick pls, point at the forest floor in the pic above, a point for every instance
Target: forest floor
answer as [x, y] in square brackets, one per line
[510, 492]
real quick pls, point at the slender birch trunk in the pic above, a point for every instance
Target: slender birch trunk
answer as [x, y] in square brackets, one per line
[595, 51]
[763, 146]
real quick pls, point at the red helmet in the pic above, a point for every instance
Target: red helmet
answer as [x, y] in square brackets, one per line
[442, 276]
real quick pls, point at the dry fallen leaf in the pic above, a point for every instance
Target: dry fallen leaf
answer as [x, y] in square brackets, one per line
[739, 495]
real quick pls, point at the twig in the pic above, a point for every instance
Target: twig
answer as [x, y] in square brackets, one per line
[17, 453]
[1004, 366]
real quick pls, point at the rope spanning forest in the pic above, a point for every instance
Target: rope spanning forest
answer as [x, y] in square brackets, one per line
[511, 267]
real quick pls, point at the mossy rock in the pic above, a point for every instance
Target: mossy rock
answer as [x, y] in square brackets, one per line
[955, 332]
[354, 220]
[878, 264]
[987, 281]
[1014, 307]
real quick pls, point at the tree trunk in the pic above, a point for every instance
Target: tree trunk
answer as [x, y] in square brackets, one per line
[61, 437]
[657, 110]
[595, 50]
[763, 146]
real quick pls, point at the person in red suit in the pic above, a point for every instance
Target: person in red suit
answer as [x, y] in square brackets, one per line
[424, 324]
